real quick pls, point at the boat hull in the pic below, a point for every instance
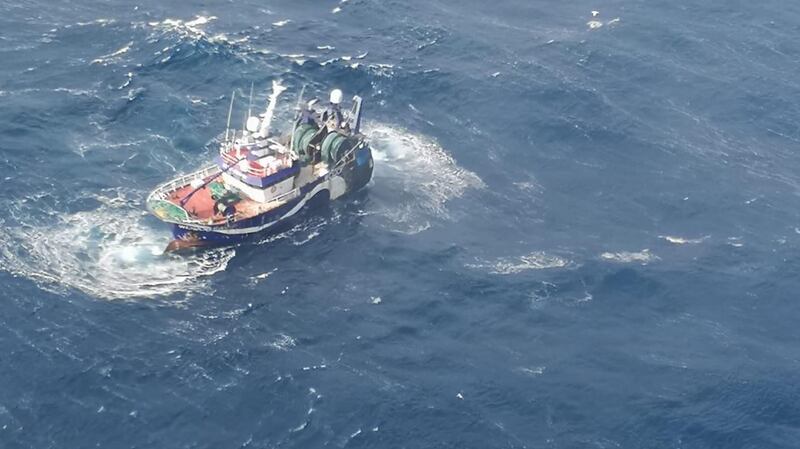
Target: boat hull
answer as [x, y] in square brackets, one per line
[346, 179]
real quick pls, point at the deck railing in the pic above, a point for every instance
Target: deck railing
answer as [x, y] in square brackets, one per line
[163, 191]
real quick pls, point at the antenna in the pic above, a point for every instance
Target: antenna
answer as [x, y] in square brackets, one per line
[250, 104]
[300, 108]
[244, 120]
[230, 111]
[300, 98]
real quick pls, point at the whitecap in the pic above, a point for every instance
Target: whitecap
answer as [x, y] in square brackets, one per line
[76, 92]
[537, 260]
[283, 343]
[528, 186]
[192, 29]
[386, 70]
[311, 236]
[643, 257]
[222, 38]
[200, 20]
[106, 59]
[101, 22]
[594, 24]
[683, 241]
[128, 81]
[260, 277]
[735, 242]
[534, 371]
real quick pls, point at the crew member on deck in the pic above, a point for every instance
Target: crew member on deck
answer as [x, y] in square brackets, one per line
[307, 113]
[332, 117]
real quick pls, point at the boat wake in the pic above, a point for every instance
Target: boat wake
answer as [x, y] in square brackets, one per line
[108, 252]
[414, 178]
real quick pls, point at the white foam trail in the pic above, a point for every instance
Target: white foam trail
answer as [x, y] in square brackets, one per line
[537, 260]
[414, 178]
[108, 253]
[643, 257]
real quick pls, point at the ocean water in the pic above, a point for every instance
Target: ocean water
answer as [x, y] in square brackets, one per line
[582, 231]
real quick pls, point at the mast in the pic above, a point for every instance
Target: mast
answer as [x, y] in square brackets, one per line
[277, 89]
[230, 111]
[300, 109]
[250, 103]
[355, 115]
[244, 120]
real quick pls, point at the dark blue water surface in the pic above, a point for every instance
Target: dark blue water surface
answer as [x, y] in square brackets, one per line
[582, 231]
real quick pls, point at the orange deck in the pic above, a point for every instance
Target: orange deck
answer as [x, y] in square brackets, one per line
[201, 204]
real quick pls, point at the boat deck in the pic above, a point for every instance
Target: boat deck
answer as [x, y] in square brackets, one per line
[201, 205]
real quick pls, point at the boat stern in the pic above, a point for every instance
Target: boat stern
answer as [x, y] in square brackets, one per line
[362, 167]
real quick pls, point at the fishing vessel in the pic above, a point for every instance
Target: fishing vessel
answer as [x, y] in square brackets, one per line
[259, 181]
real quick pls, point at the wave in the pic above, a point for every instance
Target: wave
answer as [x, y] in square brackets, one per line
[108, 252]
[178, 39]
[190, 28]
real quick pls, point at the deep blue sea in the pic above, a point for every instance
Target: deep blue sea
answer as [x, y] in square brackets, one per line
[583, 229]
